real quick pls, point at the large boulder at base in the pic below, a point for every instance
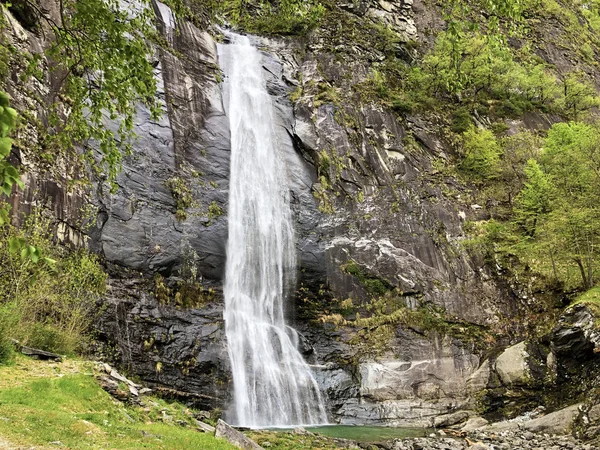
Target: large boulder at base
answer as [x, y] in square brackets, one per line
[511, 365]
[238, 439]
[558, 422]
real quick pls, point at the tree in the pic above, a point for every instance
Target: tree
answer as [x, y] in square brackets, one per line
[534, 199]
[557, 210]
[100, 53]
[482, 154]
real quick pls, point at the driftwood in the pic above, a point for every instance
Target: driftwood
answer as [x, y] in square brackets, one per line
[36, 352]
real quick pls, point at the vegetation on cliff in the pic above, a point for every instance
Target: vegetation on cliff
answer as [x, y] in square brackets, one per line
[492, 64]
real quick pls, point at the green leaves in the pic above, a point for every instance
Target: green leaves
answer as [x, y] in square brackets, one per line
[8, 174]
[554, 225]
[102, 52]
[27, 252]
[482, 154]
[285, 17]
[534, 199]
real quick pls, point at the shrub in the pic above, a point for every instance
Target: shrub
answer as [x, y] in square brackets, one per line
[9, 319]
[50, 300]
[482, 154]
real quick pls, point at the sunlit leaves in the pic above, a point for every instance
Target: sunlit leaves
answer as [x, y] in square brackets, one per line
[555, 223]
[102, 52]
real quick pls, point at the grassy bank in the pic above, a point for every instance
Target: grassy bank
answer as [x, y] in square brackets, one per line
[50, 405]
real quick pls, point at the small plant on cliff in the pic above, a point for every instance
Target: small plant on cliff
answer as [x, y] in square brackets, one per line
[214, 211]
[373, 285]
[182, 195]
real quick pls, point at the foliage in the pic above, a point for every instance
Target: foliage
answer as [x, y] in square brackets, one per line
[74, 410]
[214, 211]
[284, 17]
[553, 227]
[100, 55]
[481, 154]
[288, 17]
[187, 293]
[472, 68]
[182, 195]
[8, 322]
[579, 95]
[589, 297]
[51, 297]
[534, 199]
[8, 173]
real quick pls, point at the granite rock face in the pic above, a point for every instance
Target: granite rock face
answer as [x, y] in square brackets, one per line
[137, 226]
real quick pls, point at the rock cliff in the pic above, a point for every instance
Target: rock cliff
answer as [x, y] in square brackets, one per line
[376, 219]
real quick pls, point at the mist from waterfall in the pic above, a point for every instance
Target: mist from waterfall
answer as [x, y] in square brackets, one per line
[273, 385]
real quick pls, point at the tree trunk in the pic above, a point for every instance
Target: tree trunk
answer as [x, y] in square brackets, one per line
[583, 273]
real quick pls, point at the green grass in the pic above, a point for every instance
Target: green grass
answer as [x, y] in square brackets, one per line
[590, 298]
[74, 410]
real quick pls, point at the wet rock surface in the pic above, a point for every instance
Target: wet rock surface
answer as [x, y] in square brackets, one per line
[177, 351]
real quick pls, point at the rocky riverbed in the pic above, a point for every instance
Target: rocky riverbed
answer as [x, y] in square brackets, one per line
[441, 440]
[504, 440]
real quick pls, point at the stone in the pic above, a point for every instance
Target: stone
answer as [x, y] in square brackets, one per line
[204, 427]
[478, 446]
[558, 422]
[240, 440]
[511, 365]
[478, 381]
[447, 420]
[473, 423]
[387, 6]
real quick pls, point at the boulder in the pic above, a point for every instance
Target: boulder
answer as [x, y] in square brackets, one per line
[479, 380]
[204, 427]
[558, 422]
[474, 423]
[240, 440]
[511, 365]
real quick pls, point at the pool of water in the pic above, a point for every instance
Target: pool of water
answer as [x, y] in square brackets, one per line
[368, 434]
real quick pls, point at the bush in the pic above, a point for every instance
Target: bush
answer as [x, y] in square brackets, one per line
[461, 120]
[48, 301]
[482, 154]
[9, 319]
[51, 338]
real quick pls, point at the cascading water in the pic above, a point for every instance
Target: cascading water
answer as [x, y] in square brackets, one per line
[273, 385]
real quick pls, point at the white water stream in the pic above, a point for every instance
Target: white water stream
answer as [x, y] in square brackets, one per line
[273, 385]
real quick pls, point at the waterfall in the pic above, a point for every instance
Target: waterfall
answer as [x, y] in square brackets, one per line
[273, 385]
